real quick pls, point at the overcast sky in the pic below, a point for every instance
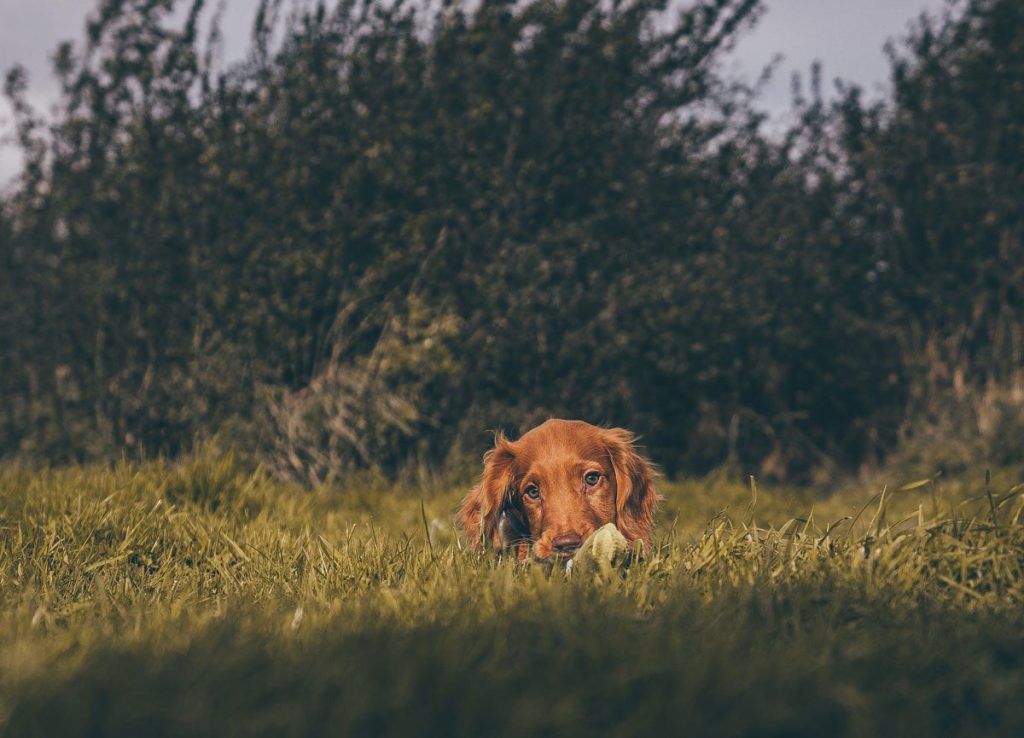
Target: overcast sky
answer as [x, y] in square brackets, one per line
[845, 35]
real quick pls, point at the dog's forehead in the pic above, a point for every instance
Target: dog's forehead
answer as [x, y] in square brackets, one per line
[560, 442]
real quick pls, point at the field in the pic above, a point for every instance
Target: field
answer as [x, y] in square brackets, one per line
[204, 598]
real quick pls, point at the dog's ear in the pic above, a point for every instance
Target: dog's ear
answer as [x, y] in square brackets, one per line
[635, 496]
[484, 502]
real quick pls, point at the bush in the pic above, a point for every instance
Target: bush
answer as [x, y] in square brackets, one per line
[397, 227]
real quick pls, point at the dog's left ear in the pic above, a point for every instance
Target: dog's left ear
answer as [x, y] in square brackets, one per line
[635, 496]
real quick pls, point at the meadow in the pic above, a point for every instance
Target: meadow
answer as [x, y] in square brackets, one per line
[202, 597]
[387, 226]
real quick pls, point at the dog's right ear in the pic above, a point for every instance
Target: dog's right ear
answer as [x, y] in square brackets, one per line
[484, 502]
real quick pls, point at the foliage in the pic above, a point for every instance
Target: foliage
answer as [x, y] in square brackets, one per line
[940, 170]
[202, 598]
[396, 226]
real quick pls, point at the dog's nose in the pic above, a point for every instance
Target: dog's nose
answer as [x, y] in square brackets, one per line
[567, 544]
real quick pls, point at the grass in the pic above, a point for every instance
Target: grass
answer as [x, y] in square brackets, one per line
[202, 598]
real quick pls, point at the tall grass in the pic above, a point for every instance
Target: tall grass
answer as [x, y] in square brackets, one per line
[204, 598]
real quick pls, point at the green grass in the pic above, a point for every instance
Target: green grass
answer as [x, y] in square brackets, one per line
[204, 599]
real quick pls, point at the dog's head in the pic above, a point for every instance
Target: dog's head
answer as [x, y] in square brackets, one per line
[545, 493]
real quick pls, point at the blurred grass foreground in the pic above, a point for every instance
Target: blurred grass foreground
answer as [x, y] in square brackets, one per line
[200, 598]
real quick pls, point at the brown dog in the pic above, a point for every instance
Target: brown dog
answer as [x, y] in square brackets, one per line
[545, 493]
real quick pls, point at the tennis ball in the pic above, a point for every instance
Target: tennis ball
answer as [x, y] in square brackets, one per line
[602, 552]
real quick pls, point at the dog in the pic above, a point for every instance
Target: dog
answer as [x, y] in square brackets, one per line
[543, 495]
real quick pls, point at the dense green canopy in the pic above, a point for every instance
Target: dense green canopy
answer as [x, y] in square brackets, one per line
[394, 227]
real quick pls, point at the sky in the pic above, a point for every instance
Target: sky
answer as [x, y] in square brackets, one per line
[846, 36]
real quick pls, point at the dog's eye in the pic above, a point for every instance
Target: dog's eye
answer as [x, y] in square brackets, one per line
[591, 478]
[532, 492]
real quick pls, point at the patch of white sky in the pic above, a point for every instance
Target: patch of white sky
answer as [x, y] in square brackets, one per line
[846, 36]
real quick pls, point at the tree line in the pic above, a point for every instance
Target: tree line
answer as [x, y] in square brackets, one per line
[395, 226]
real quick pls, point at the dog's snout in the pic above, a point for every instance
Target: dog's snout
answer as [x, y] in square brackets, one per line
[567, 544]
